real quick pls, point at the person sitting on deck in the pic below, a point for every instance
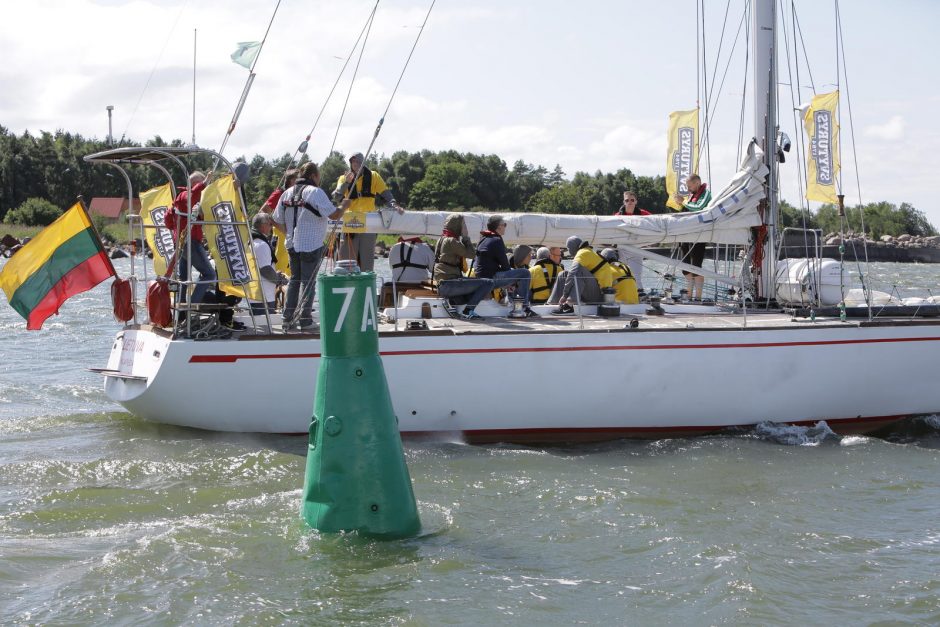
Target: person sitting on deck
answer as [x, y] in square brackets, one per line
[589, 274]
[261, 227]
[451, 253]
[411, 260]
[492, 263]
[521, 257]
[545, 272]
[624, 283]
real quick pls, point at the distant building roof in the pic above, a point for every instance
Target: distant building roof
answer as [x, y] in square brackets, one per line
[111, 207]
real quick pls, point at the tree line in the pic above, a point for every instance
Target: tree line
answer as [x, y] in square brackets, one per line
[50, 167]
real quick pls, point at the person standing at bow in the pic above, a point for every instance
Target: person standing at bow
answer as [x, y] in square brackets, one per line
[634, 261]
[360, 247]
[304, 212]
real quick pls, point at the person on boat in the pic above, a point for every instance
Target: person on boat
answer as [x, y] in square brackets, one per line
[261, 227]
[451, 254]
[635, 262]
[411, 260]
[176, 220]
[492, 262]
[589, 274]
[304, 212]
[369, 184]
[629, 207]
[521, 257]
[694, 253]
[624, 284]
[545, 272]
[282, 263]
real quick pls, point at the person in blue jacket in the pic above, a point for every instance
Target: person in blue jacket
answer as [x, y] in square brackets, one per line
[492, 262]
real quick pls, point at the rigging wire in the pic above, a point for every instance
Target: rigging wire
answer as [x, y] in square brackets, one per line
[152, 71]
[352, 82]
[863, 276]
[724, 76]
[747, 61]
[302, 147]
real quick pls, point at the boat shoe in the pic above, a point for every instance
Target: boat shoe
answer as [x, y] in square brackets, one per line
[562, 310]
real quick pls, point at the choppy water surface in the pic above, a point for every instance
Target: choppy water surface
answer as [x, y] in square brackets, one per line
[105, 519]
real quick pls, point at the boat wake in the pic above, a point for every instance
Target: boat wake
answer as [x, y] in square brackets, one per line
[792, 435]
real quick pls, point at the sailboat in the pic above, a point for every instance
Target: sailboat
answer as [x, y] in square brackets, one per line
[666, 368]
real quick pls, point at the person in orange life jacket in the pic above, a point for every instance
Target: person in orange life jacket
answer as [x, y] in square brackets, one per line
[545, 272]
[634, 262]
[361, 246]
[176, 220]
[261, 227]
[411, 260]
[699, 198]
[451, 254]
[588, 289]
[304, 212]
[492, 262]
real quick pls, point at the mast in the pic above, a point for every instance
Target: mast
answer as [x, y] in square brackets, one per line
[764, 85]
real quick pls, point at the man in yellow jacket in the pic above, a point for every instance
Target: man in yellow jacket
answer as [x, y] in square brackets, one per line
[358, 245]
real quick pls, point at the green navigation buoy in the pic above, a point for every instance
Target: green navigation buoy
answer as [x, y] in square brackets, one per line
[356, 477]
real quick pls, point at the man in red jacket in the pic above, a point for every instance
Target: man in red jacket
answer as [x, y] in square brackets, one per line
[176, 220]
[634, 262]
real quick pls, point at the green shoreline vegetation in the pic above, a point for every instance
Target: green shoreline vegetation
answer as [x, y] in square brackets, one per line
[41, 176]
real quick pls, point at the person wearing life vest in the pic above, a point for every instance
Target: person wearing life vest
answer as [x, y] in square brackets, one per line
[278, 236]
[261, 227]
[176, 220]
[699, 199]
[589, 274]
[360, 247]
[411, 260]
[624, 283]
[492, 262]
[304, 212]
[451, 255]
[545, 272]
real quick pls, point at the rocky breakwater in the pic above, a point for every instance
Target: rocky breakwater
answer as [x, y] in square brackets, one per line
[902, 248]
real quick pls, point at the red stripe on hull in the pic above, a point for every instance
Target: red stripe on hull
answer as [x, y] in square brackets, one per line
[226, 359]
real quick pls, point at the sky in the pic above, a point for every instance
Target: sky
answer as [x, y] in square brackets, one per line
[587, 86]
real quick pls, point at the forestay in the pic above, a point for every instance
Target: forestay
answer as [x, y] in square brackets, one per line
[728, 220]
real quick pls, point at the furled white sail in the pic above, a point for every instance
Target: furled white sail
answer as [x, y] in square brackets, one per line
[732, 213]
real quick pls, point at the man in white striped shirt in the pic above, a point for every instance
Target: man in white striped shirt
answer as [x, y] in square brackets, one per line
[304, 212]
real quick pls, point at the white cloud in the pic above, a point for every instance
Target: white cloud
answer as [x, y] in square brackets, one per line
[891, 130]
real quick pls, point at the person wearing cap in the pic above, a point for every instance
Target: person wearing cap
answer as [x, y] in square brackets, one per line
[545, 272]
[588, 275]
[624, 284]
[360, 247]
[304, 212]
[492, 262]
[261, 226]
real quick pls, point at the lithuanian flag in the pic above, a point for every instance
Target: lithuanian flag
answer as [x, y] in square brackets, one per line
[65, 259]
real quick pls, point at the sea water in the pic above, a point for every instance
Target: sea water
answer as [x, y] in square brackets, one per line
[106, 519]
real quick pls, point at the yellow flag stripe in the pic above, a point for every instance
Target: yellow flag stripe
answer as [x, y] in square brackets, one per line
[39, 249]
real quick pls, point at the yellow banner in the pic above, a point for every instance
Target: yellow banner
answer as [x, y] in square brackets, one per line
[230, 242]
[822, 159]
[154, 203]
[682, 154]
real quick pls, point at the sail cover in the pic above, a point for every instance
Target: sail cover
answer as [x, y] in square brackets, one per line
[727, 220]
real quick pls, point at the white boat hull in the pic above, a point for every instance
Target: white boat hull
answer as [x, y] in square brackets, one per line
[550, 386]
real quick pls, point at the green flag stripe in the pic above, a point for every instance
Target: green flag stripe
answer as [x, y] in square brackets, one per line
[71, 253]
